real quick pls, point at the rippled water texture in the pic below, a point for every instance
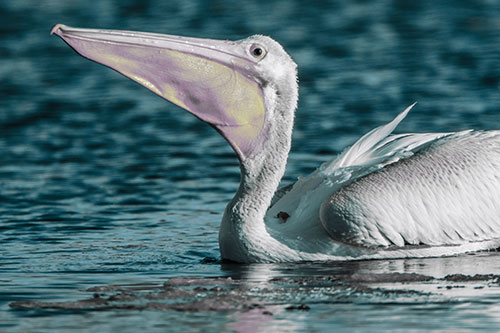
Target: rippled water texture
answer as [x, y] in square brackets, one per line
[104, 184]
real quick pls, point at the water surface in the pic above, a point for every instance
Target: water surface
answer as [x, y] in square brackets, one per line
[103, 183]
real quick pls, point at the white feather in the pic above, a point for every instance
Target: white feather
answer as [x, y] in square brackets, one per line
[376, 151]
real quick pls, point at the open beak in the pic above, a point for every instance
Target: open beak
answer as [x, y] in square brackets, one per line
[214, 80]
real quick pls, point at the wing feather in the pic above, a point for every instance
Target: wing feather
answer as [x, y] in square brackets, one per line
[371, 152]
[399, 190]
[446, 194]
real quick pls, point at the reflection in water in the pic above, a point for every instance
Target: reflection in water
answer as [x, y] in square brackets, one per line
[287, 296]
[257, 321]
[474, 263]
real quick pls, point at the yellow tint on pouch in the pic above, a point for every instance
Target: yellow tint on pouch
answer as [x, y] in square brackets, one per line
[239, 97]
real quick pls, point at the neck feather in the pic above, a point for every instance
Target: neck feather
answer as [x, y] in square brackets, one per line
[242, 225]
[261, 175]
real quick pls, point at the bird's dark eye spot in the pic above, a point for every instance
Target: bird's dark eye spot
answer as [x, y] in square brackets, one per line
[257, 51]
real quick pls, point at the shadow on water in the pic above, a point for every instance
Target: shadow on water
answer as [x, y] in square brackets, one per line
[246, 293]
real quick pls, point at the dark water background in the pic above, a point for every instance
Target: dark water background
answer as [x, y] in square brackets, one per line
[103, 183]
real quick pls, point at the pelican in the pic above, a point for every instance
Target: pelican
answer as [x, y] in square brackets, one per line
[386, 196]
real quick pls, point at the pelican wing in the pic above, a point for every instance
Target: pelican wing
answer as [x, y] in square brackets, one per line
[397, 190]
[371, 152]
[446, 194]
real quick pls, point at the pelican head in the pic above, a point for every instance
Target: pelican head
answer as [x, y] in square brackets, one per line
[233, 86]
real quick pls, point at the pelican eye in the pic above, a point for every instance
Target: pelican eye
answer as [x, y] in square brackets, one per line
[257, 51]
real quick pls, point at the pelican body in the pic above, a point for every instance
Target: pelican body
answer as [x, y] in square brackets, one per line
[386, 196]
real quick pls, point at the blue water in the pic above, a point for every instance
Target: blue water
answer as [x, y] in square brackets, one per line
[103, 183]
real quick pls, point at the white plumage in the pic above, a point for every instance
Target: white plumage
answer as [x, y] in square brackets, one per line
[432, 190]
[446, 194]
